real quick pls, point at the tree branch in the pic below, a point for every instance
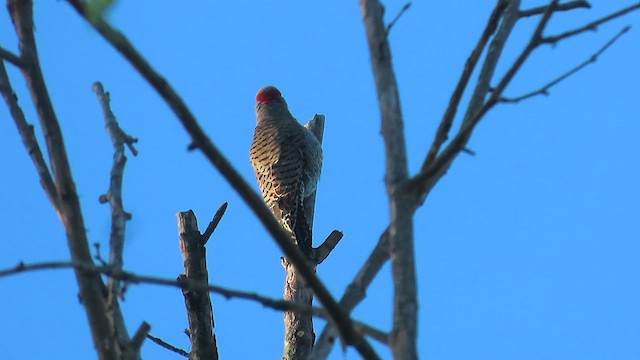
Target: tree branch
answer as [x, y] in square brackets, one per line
[28, 137]
[545, 89]
[138, 338]
[198, 303]
[193, 285]
[214, 223]
[322, 252]
[426, 179]
[442, 134]
[592, 26]
[167, 346]
[119, 216]
[10, 57]
[182, 283]
[561, 7]
[395, 19]
[67, 204]
[255, 202]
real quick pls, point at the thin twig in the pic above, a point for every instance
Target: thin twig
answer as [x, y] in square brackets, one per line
[10, 57]
[592, 26]
[214, 223]
[545, 89]
[561, 7]
[167, 346]
[248, 194]
[395, 19]
[183, 283]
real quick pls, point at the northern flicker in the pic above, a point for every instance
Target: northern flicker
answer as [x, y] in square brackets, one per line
[287, 159]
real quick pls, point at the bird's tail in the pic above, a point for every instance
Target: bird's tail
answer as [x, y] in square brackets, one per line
[302, 231]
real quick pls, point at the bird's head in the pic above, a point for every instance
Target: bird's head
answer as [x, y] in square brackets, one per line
[271, 104]
[268, 95]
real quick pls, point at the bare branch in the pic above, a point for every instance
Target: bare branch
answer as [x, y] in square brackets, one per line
[561, 7]
[10, 57]
[198, 303]
[372, 332]
[28, 137]
[424, 181]
[182, 283]
[534, 42]
[322, 252]
[214, 223]
[255, 202]
[545, 89]
[167, 346]
[445, 124]
[107, 344]
[395, 19]
[592, 26]
[363, 279]
[119, 216]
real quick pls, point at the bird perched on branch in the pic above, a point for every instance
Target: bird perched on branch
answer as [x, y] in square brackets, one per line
[287, 159]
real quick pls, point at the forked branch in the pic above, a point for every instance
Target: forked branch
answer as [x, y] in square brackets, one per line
[442, 134]
[198, 303]
[478, 107]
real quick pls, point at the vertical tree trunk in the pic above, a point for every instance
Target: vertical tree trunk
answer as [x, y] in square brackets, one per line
[298, 328]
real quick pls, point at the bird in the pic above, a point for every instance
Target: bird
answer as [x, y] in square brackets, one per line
[287, 160]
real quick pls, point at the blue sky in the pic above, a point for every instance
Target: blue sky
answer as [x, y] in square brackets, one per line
[528, 250]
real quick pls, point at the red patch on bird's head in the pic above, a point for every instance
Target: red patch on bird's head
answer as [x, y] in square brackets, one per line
[267, 94]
